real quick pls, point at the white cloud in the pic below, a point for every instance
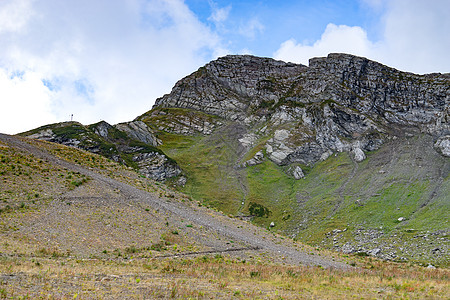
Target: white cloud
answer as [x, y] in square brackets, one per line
[28, 101]
[415, 37]
[14, 15]
[340, 38]
[251, 28]
[110, 59]
[99, 59]
[219, 15]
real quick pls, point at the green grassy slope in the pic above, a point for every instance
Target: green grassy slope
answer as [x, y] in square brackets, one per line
[405, 178]
[208, 163]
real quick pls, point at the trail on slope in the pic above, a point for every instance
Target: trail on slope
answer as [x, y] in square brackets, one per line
[253, 237]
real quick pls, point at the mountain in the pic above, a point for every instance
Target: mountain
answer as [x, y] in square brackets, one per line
[345, 153]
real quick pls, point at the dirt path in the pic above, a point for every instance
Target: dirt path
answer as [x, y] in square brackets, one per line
[255, 238]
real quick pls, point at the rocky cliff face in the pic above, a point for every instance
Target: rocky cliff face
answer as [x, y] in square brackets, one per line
[298, 115]
[304, 114]
[229, 86]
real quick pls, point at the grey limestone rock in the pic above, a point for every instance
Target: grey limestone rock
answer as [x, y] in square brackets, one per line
[46, 135]
[374, 252]
[102, 129]
[309, 112]
[112, 142]
[358, 154]
[296, 172]
[140, 131]
[255, 160]
[442, 145]
[248, 140]
[225, 86]
[339, 103]
[156, 166]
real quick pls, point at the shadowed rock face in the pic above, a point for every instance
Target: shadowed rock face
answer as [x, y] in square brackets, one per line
[385, 93]
[140, 131]
[339, 103]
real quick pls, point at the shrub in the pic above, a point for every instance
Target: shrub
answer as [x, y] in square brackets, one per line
[258, 210]
[160, 246]
[131, 249]
[254, 274]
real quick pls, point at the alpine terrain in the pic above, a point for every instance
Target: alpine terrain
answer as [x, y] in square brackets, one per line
[346, 153]
[253, 178]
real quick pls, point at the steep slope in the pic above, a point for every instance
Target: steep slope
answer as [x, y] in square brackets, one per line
[79, 218]
[74, 224]
[370, 142]
[77, 225]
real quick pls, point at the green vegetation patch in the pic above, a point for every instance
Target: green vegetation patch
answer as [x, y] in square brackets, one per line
[209, 167]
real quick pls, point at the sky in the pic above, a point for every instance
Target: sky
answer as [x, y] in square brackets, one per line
[111, 59]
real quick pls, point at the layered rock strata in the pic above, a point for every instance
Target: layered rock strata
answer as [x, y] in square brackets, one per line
[339, 103]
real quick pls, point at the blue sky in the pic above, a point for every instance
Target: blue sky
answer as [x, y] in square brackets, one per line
[110, 59]
[270, 23]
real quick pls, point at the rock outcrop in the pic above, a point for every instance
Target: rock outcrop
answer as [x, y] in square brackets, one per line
[130, 143]
[442, 145]
[230, 85]
[138, 130]
[156, 166]
[297, 114]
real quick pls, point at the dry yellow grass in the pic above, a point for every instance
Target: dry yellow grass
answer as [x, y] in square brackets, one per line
[211, 277]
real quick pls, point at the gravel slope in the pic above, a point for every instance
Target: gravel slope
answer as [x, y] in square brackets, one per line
[212, 224]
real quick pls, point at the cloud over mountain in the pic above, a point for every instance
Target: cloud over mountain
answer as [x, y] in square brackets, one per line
[413, 37]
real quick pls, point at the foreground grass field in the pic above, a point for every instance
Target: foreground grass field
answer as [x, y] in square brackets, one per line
[212, 277]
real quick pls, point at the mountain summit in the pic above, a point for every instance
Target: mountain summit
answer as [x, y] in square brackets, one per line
[338, 103]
